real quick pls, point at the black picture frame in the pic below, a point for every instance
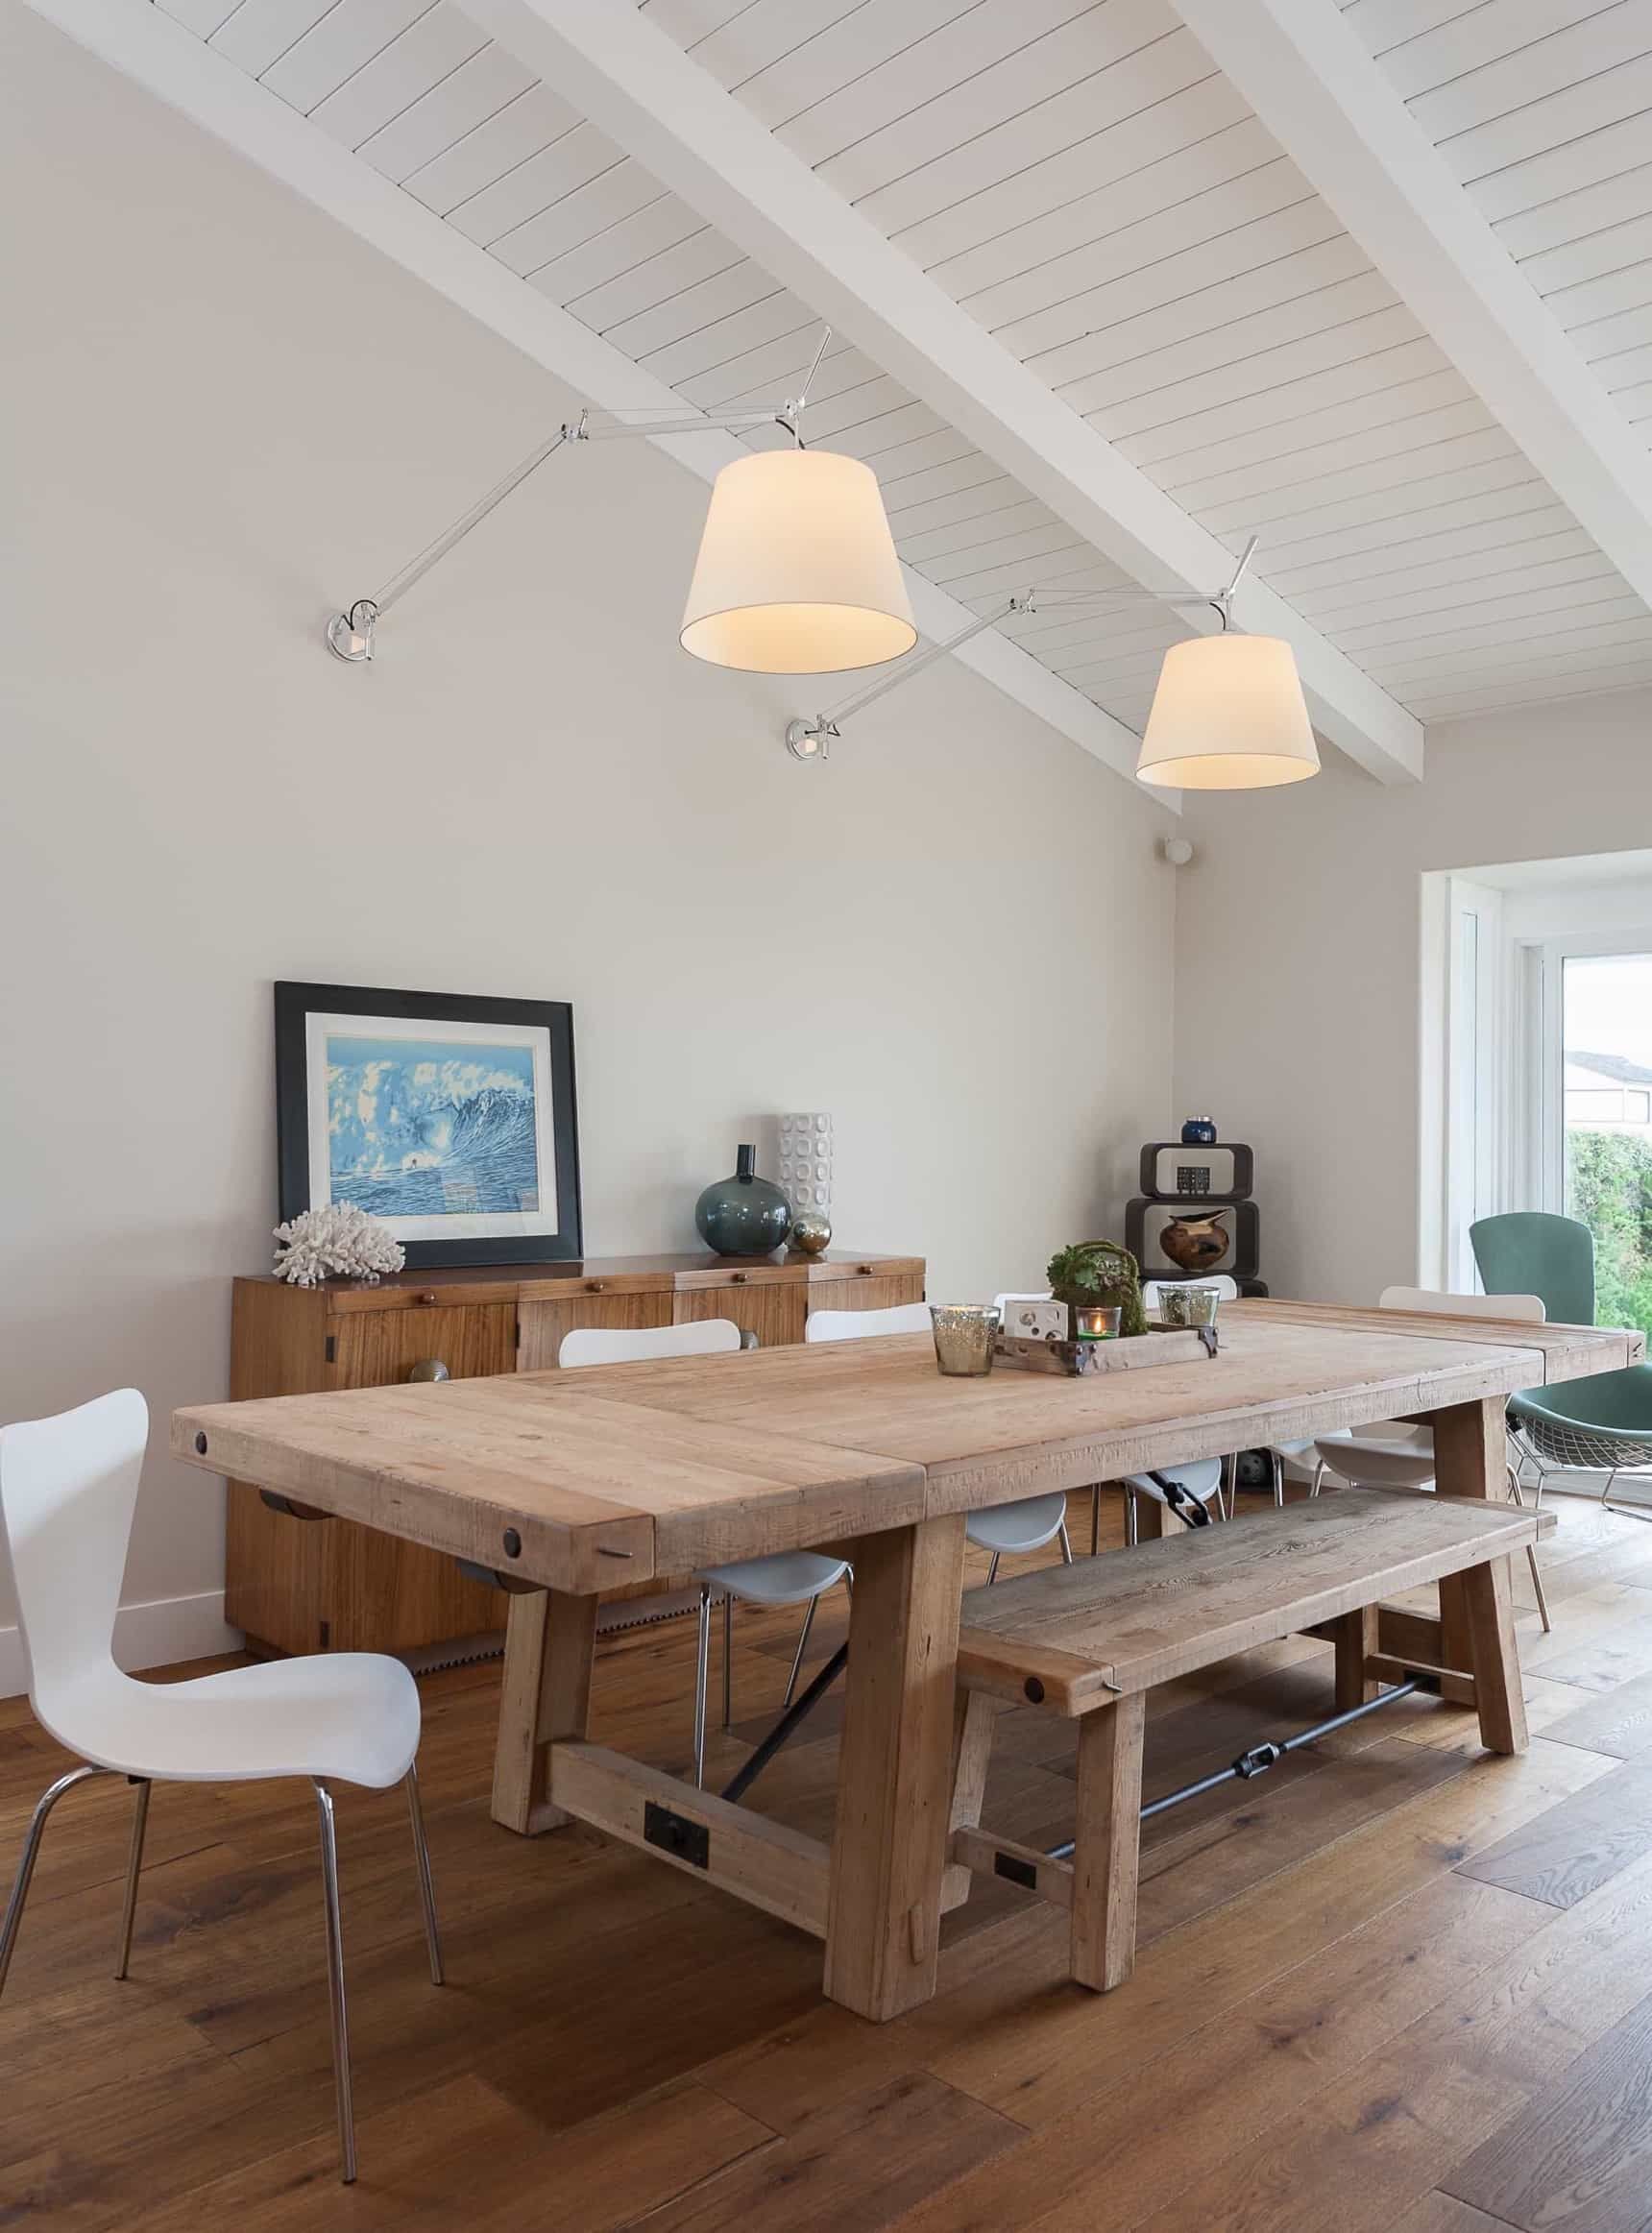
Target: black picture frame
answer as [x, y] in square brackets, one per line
[296, 1004]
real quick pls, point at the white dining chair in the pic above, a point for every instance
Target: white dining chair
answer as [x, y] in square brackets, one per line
[68, 1487]
[1392, 1454]
[1003, 1529]
[783, 1578]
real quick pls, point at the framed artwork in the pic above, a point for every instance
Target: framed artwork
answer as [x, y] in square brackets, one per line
[451, 1118]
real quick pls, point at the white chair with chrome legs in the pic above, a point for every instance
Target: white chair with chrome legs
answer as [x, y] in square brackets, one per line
[783, 1578]
[68, 1487]
[1003, 1529]
[1389, 1454]
[1202, 1479]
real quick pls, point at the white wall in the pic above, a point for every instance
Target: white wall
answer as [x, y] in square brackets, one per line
[226, 416]
[1297, 931]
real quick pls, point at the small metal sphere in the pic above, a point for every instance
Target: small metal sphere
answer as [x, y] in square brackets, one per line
[811, 1232]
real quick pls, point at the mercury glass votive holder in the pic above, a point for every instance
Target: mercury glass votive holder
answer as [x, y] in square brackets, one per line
[1188, 1305]
[1096, 1322]
[963, 1334]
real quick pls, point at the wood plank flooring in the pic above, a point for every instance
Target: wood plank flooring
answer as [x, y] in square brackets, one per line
[1393, 1984]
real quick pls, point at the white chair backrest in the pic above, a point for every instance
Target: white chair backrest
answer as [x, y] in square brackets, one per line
[68, 1488]
[636, 1345]
[1226, 1285]
[860, 1325]
[1527, 1307]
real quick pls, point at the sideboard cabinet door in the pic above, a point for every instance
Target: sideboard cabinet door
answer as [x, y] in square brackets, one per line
[769, 1301]
[384, 1594]
[596, 1304]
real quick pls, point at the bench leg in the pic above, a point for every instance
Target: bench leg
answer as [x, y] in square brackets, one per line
[974, 1716]
[1488, 1605]
[1356, 1641]
[1106, 1853]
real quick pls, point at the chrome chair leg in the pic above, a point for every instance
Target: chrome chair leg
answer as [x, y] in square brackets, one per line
[992, 1570]
[426, 1889]
[703, 1679]
[802, 1647]
[1278, 1466]
[1133, 1523]
[29, 1854]
[336, 1986]
[1066, 1545]
[133, 1867]
[1318, 1477]
[1516, 1496]
[728, 1661]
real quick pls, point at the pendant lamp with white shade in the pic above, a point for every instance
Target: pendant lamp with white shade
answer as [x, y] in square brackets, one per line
[1229, 715]
[797, 572]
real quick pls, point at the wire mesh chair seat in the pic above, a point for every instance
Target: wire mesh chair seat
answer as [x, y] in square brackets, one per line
[1601, 1425]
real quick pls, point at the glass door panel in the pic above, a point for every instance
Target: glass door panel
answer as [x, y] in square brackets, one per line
[1606, 1124]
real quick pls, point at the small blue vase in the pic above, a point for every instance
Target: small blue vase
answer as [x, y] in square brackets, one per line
[1199, 1132]
[744, 1216]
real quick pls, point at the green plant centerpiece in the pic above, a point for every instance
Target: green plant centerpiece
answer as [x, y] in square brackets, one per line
[1098, 1272]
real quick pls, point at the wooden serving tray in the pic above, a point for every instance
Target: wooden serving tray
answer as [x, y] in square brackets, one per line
[1123, 1353]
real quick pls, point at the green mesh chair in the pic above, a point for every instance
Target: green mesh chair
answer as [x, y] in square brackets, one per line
[1601, 1425]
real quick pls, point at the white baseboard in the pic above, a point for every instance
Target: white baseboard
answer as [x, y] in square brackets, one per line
[155, 1635]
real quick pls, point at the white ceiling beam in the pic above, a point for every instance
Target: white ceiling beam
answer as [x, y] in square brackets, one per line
[1327, 101]
[171, 63]
[637, 85]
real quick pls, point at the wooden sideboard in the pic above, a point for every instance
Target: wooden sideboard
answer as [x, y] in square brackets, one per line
[296, 1585]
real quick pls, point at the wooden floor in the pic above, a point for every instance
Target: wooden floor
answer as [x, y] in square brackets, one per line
[1395, 1983]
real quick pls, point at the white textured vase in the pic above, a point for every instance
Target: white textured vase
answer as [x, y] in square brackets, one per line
[805, 1172]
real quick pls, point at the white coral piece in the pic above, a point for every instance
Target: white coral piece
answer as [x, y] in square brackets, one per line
[340, 1239]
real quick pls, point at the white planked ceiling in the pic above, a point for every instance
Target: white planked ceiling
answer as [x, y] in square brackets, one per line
[1080, 180]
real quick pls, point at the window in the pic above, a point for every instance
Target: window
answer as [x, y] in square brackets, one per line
[1599, 1158]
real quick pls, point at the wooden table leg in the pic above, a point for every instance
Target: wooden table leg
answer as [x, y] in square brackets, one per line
[888, 1847]
[1469, 1461]
[546, 1699]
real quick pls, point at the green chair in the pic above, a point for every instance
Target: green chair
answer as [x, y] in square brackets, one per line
[1601, 1425]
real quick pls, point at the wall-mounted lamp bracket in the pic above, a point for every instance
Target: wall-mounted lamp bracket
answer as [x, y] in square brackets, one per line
[809, 739]
[350, 634]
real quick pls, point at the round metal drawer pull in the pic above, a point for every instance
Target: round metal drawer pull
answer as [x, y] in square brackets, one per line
[513, 1544]
[737, 1278]
[427, 1298]
[200, 1446]
[428, 1369]
[594, 1286]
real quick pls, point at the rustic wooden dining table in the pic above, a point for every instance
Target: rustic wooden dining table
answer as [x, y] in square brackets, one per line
[567, 1484]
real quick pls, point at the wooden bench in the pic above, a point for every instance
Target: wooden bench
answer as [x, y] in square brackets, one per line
[1092, 1639]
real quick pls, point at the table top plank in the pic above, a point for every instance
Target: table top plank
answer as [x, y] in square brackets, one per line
[1570, 1352]
[1014, 1434]
[617, 1474]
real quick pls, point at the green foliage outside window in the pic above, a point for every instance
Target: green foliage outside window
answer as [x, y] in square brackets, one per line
[1609, 1186]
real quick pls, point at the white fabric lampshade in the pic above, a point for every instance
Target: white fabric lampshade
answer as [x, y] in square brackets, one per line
[1229, 715]
[797, 572]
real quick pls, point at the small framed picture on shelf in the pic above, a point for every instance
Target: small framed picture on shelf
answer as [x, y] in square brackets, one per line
[449, 1117]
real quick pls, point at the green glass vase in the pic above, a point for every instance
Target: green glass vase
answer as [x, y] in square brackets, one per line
[744, 1216]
